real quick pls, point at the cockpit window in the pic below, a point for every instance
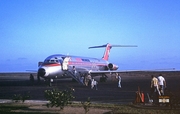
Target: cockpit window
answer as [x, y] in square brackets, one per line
[51, 61]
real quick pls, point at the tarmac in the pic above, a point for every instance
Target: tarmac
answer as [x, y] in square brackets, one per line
[108, 92]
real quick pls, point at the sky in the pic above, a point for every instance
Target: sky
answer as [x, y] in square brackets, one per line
[31, 30]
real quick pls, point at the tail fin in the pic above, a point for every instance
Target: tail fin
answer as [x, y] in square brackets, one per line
[108, 48]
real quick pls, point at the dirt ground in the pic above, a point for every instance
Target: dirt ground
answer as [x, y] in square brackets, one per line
[40, 107]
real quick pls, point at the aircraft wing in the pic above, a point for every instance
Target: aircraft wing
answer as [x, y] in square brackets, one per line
[109, 71]
[126, 71]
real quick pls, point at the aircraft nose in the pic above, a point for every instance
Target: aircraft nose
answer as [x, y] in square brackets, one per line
[41, 72]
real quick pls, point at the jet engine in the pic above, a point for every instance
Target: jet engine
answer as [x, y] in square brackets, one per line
[112, 66]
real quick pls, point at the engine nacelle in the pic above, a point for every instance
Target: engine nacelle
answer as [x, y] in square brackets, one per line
[112, 66]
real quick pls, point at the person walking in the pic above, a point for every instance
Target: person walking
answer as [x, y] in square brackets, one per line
[155, 90]
[74, 70]
[119, 79]
[155, 85]
[162, 84]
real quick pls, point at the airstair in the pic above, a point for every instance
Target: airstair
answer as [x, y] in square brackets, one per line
[76, 76]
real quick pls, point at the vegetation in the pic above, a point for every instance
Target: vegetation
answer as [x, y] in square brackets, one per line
[7, 108]
[86, 105]
[20, 97]
[59, 98]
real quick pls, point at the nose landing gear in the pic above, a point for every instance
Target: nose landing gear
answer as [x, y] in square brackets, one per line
[38, 78]
[49, 82]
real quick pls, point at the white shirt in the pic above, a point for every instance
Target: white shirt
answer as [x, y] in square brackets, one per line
[119, 78]
[92, 82]
[95, 83]
[161, 80]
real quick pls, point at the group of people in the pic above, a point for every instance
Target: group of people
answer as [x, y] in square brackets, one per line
[158, 85]
[92, 81]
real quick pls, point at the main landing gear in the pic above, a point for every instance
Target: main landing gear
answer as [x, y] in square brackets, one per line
[103, 78]
[50, 81]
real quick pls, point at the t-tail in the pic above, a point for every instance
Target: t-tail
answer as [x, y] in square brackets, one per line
[108, 48]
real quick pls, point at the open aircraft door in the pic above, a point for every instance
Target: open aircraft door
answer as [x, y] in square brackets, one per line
[65, 63]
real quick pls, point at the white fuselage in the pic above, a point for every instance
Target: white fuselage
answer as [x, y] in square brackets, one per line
[55, 66]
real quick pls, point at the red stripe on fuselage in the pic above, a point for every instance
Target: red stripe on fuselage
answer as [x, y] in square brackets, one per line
[54, 64]
[78, 59]
[86, 63]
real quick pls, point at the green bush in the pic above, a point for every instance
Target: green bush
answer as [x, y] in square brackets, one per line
[59, 98]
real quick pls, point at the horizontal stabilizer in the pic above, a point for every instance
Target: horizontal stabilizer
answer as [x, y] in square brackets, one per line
[113, 46]
[97, 46]
[124, 45]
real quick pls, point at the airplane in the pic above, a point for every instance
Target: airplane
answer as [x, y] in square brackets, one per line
[60, 66]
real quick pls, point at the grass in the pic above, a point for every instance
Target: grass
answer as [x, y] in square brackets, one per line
[7, 108]
[12, 108]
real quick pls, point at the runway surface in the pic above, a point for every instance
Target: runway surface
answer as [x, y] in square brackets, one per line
[108, 92]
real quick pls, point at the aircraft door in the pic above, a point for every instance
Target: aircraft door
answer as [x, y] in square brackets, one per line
[65, 63]
[93, 67]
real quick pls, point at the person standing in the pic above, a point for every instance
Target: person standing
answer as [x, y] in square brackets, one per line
[88, 80]
[31, 78]
[95, 85]
[119, 79]
[92, 83]
[162, 84]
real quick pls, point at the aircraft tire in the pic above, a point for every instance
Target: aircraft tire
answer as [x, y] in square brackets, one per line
[103, 79]
[38, 78]
[50, 83]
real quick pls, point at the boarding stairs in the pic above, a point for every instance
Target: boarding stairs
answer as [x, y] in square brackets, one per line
[75, 76]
